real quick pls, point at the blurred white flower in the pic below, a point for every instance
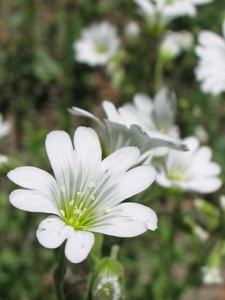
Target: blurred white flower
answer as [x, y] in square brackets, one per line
[211, 276]
[5, 127]
[174, 43]
[132, 30]
[97, 45]
[86, 193]
[191, 170]
[201, 134]
[201, 234]
[210, 70]
[132, 126]
[163, 11]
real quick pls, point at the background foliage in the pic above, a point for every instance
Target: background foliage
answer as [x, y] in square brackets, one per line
[39, 81]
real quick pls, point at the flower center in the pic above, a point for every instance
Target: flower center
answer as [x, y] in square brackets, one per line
[76, 211]
[101, 48]
[176, 175]
[80, 211]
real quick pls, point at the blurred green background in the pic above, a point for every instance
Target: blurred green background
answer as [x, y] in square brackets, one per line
[39, 81]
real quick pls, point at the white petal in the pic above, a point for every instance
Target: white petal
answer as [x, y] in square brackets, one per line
[111, 111]
[204, 185]
[88, 154]
[126, 185]
[127, 220]
[79, 245]
[30, 201]
[81, 112]
[34, 178]
[143, 103]
[61, 155]
[161, 177]
[121, 160]
[52, 232]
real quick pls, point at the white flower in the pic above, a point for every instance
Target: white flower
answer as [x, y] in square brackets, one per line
[86, 194]
[201, 134]
[210, 70]
[157, 115]
[98, 44]
[174, 43]
[211, 275]
[124, 128]
[191, 171]
[5, 127]
[163, 11]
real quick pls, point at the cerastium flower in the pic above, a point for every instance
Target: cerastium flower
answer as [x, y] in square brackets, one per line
[86, 194]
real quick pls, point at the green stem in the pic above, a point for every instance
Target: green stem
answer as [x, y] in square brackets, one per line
[158, 74]
[60, 272]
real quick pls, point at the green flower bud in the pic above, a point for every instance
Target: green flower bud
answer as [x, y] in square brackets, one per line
[108, 279]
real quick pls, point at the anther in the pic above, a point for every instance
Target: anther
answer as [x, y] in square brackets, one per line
[91, 184]
[107, 209]
[79, 194]
[63, 188]
[71, 202]
[92, 197]
[62, 212]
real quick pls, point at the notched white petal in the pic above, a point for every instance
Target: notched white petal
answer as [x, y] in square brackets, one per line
[52, 232]
[79, 245]
[30, 201]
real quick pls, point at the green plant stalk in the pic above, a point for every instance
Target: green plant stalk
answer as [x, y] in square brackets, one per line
[60, 272]
[158, 74]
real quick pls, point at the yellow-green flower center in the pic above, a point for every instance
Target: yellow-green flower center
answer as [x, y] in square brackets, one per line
[79, 211]
[101, 48]
[176, 175]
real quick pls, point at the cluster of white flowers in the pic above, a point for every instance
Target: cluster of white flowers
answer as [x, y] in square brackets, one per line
[145, 124]
[85, 194]
[163, 11]
[150, 125]
[211, 67]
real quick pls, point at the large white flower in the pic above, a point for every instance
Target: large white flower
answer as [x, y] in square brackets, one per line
[86, 194]
[163, 11]
[97, 45]
[190, 171]
[5, 127]
[123, 127]
[210, 70]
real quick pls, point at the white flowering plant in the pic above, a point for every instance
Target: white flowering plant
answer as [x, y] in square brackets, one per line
[112, 150]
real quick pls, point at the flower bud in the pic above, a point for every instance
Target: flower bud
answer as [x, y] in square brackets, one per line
[193, 228]
[108, 280]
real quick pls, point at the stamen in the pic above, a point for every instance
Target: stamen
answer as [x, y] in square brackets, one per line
[63, 188]
[92, 197]
[79, 194]
[91, 184]
[77, 211]
[62, 212]
[107, 209]
[71, 202]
